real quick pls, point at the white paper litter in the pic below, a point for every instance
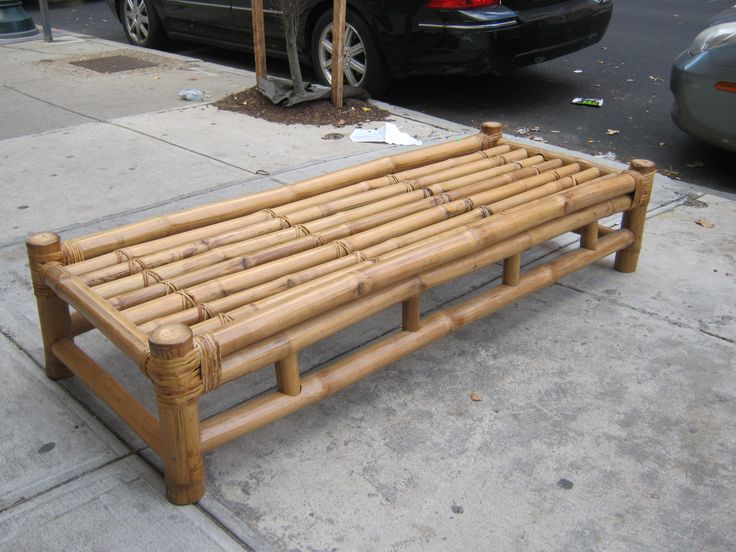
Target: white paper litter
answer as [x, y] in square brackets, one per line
[387, 134]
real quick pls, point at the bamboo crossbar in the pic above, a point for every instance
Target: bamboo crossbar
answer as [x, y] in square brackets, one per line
[204, 296]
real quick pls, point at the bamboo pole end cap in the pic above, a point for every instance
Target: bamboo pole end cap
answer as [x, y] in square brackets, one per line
[643, 166]
[491, 128]
[43, 240]
[171, 340]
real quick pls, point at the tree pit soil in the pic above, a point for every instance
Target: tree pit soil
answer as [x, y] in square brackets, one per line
[354, 112]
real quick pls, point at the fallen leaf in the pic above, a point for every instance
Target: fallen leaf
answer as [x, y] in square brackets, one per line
[245, 103]
[156, 78]
[475, 397]
[669, 172]
[366, 109]
[704, 223]
[341, 122]
[655, 79]
[612, 132]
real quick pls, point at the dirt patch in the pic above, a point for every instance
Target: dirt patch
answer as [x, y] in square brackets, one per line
[355, 112]
[149, 63]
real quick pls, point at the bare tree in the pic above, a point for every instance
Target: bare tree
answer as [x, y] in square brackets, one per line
[291, 15]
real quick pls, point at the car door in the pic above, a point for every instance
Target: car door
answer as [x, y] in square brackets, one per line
[200, 18]
[242, 17]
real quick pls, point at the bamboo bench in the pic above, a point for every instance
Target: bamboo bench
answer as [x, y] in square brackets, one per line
[203, 296]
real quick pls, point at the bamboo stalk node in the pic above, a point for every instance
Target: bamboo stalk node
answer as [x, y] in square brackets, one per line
[73, 252]
[42, 253]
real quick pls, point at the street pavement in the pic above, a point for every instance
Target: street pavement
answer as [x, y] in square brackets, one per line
[608, 400]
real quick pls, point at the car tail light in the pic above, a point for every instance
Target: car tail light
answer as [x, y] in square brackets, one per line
[461, 4]
[726, 86]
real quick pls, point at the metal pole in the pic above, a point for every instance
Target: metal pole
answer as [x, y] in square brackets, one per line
[45, 20]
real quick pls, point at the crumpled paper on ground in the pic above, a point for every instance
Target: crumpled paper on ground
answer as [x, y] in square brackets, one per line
[387, 134]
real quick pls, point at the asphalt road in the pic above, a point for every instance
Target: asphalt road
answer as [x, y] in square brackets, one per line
[629, 69]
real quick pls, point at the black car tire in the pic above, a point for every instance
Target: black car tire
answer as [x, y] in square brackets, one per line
[141, 23]
[375, 78]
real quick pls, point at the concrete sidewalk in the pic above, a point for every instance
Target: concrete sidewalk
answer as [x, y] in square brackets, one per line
[607, 419]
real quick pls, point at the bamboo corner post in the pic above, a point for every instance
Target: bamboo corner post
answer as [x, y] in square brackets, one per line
[634, 220]
[53, 313]
[339, 16]
[174, 368]
[259, 41]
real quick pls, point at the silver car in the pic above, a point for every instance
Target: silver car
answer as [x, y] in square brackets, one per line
[703, 82]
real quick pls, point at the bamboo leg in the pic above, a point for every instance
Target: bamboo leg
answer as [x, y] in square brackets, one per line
[589, 236]
[634, 220]
[287, 375]
[53, 313]
[512, 270]
[173, 367]
[410, 313]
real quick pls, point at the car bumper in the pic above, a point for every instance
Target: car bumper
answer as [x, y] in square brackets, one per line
[700, 109]
[503, 39]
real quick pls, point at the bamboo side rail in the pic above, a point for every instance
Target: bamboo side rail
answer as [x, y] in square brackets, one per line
[110, 391]
[203, 296]
[256, 413]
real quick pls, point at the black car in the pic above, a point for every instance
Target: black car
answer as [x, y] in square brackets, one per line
[387, 38]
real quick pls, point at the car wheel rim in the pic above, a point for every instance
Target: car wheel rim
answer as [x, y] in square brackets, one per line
[355, 62]
[136, 20]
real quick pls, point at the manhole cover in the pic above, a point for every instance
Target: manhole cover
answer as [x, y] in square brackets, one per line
[113, 64]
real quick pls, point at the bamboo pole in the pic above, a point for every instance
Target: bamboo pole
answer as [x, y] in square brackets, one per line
[287, 375]
[411, 314]
[174, 370]
[110, 391]
[339, 13]
[44, 250]
[512, 270]
[241, 333]
[157, 227]
[258, 412]
[635, 219]
[259, 41]
[306, 333]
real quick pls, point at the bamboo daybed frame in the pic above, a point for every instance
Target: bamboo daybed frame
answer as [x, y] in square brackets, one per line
[203, 296]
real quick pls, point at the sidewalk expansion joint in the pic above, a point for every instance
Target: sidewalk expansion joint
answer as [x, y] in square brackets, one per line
[30, 497]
